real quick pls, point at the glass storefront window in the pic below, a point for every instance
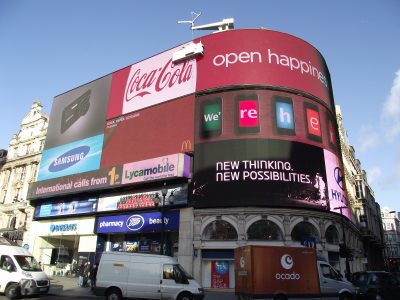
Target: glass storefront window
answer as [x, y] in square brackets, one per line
[264, 230]
[331, 235]
[304, 229]
[219, 230]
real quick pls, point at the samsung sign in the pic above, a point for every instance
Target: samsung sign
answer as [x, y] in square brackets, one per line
[144, 222]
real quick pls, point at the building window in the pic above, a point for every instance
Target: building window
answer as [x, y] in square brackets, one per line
[23, 173]
[12, 223]
[359, 189]
[304, 230]
[264, 230]
[219, 230]
[332, 235]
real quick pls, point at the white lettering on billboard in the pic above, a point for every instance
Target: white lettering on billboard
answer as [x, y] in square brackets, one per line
[156, 80]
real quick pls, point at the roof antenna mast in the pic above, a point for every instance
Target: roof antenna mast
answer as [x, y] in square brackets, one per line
[225, 24]
[195, 15]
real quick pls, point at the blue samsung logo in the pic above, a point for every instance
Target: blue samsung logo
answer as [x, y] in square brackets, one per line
[135, 222]
[69, 158]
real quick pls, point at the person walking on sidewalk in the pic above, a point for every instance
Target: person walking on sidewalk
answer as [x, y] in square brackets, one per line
[93, 275]
[86, 275]
[80, 274]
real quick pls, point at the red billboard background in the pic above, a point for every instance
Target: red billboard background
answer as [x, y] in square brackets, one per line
[263, 57]
[151, 132]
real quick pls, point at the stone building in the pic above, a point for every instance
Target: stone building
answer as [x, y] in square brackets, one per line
[366, 214]
[19, 169]
[391, 229]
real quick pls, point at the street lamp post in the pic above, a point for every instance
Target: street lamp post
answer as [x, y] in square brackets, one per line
[344, 243]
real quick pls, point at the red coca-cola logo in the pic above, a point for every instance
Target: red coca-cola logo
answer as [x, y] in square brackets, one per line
[144, 83]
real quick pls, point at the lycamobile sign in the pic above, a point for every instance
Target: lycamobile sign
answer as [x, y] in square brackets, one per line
[176, 165]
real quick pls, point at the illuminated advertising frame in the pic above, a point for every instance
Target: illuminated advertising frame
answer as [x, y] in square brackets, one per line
[60, 208]
[149, 133]
[151, 82]
[142, 200]
[271, 149]
[161, 168]
[263, 57]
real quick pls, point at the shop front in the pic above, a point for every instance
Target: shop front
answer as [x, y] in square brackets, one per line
[218, 268]
[140, 232]
[61, 244]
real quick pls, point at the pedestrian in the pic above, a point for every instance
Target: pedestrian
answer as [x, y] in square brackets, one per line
[80, 274]
[86, 274]
[93, 274]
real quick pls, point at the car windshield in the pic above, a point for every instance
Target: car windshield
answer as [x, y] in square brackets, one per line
[372, 278]
[360, 279]
[28, 263]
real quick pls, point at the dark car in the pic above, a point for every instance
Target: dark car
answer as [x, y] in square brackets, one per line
[376, 285]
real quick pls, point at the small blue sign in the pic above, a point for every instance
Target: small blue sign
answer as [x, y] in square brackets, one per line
[135, 222]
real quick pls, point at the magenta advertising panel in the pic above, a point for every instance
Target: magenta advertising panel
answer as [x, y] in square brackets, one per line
[265, 57]
[265, 148]
[150, 82]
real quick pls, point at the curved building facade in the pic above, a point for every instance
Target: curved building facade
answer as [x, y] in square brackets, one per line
[235, 145]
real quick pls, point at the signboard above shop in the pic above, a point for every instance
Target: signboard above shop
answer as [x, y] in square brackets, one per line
[138, 222]
[176, 195]
[150, 170]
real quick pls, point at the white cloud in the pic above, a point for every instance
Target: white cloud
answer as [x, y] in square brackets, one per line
[368, 138]
[391, 110]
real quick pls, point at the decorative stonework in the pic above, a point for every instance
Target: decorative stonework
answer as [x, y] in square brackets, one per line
[24, 153]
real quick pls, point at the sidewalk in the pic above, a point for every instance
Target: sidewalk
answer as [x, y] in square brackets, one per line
[68, 287]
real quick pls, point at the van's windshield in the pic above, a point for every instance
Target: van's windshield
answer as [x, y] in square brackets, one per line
[188, 276]
[28, 263]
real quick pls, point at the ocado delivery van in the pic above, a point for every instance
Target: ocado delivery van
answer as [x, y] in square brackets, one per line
[269, 272]
[20, 273]
[147, 276]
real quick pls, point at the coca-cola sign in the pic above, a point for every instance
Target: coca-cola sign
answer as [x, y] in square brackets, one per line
[151, 82]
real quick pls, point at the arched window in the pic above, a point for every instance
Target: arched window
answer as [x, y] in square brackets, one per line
[332, 235]
[219, 230]
[304, 230]
[264, 230]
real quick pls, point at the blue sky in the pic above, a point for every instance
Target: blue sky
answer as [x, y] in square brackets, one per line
[48, 47]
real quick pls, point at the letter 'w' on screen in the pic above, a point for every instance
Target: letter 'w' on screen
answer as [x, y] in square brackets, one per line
[211, 118]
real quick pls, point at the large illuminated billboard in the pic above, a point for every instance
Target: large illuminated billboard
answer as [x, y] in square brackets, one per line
[255, 111]
[265, 148]
[263, 57]
[148, 133]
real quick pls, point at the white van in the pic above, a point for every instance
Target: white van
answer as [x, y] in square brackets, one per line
[147, 276]
[20, 274]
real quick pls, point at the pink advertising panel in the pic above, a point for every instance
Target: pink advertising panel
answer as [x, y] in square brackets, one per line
[240, 57]
[175, 165]
[150, 82]
[336, 185]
